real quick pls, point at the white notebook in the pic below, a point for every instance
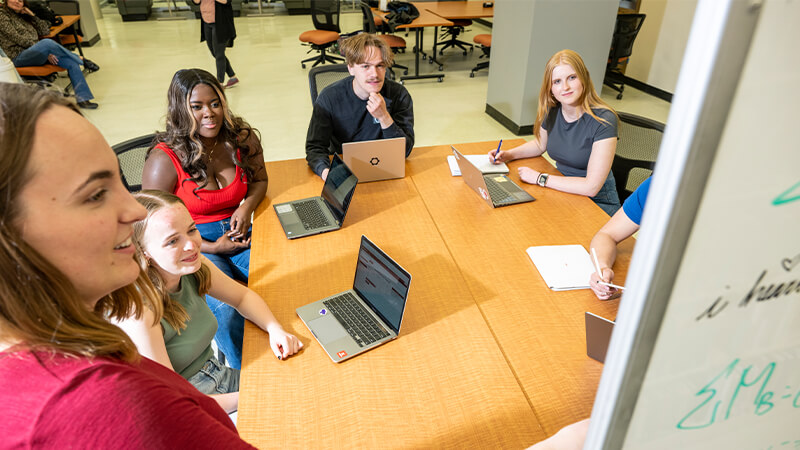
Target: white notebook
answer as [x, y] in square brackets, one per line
[480, 161]
[563, 267]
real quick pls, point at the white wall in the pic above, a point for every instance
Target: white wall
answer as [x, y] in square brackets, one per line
[659, 47]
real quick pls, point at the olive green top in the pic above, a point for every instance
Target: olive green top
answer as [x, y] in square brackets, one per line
[190, 350]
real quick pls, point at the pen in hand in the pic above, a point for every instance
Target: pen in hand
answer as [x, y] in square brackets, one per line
[496, 152]
[600, 273]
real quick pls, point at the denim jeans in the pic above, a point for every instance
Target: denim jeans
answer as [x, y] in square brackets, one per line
[36, 55]
[608, 198]
[215, 378]
[230, 329]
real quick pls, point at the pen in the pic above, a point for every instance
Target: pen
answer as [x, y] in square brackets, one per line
[600, 274]
[596, 264]
[621, 288]
[498, 150]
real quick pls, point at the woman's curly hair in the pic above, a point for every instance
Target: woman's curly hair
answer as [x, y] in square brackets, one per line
[183, 138]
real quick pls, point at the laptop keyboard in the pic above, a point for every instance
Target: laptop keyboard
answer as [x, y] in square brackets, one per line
[311, 214]
[355, 319]
[497, 193]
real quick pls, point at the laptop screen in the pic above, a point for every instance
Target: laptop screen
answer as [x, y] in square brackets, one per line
[339, 187]
[382, 283]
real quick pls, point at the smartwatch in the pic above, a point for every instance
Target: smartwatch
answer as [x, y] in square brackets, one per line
[542, 180]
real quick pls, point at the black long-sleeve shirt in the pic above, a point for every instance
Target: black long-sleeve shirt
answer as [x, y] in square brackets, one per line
[340, 116]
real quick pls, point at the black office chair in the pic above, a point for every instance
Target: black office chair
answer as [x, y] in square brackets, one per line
[131, 155]
[322, 76]
[325, 15]
[396, 43]
[625, 31]
[637, 150]
[454, 31]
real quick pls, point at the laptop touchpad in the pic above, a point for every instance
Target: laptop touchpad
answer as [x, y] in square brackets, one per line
[328, 329]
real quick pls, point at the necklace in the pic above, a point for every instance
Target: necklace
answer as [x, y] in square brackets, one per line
[213, 147]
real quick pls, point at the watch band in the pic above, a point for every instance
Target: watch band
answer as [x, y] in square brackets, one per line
[542, 180]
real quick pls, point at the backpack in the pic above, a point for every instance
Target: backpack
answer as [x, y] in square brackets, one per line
[43, 11]
[400, 13]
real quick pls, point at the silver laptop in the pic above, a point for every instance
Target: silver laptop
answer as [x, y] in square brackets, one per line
[381, 159]
[324, 213]
[598, 335]
[496, 188]
[365, 316]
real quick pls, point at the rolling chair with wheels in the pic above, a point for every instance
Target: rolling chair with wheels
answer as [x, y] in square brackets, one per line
[131, 155]
[396, 43]
[637, 150]
[453, 32]
[625, 31]
[485, 41]
[325, 15]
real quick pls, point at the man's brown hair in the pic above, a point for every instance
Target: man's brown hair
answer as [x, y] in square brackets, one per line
[355, 49]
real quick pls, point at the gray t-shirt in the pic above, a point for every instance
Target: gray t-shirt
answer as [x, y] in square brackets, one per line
[570, 144]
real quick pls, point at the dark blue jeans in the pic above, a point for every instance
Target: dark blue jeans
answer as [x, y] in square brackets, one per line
[608, 198]
[37, 54]
[230, 330]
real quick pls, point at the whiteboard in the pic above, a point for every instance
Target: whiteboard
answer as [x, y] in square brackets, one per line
[706, 351]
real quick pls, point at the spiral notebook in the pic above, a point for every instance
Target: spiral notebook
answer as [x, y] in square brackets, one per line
[563, 267]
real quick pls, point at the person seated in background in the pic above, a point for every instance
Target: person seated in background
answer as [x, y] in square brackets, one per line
[363, 107]
[577, 129]
[213, 161]
[621, 226]
[19, 38]
[72, 379]
[168, 249]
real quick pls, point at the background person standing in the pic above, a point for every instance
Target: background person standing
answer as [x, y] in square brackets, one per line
[219, 32]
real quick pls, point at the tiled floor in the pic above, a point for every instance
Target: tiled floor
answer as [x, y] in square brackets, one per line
[138, 59]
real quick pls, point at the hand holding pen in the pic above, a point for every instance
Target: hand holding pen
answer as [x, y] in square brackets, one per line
[496, 154]
[600, 280]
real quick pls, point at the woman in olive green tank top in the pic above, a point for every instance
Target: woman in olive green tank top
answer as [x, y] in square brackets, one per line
[168, 249]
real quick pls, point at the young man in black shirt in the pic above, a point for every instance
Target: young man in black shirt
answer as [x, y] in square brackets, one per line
[364, 106]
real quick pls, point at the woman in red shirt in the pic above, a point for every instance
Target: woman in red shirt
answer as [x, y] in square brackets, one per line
[70, 377]
[213, 161]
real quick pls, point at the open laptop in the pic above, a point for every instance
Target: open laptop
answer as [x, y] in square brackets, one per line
[496, 188]
[365, 316]
[324, 213]
[381, 159]
[598, 335]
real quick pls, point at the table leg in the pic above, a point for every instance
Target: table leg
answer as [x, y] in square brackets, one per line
[417, 76]
[77, 42]
[433, 59]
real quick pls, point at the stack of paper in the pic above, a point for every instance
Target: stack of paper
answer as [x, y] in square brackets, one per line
[480, 161]
[563, 267]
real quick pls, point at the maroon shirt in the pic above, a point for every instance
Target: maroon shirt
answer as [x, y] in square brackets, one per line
[73, 402]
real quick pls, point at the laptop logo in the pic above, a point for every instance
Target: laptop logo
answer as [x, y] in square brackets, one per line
[323, 311]
[341, 354]
[374, 161]
[483, 193]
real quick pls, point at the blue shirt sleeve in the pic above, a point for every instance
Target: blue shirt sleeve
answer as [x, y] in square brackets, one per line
[634, 205]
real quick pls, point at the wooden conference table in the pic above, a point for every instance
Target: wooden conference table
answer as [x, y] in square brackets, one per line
[487, 356]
